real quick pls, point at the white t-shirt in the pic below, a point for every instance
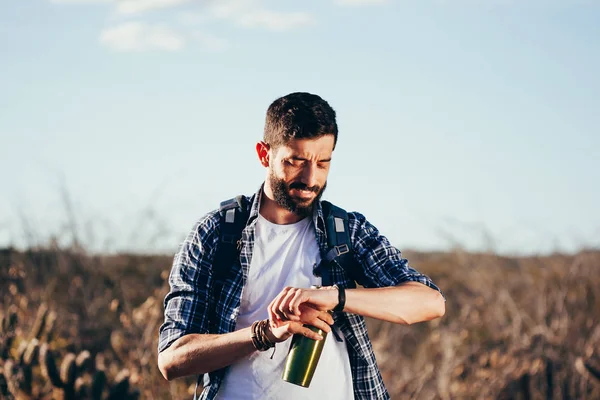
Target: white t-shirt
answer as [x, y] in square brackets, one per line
[283, 255]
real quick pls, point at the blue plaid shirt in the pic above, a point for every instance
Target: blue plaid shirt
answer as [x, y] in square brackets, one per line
[187, 307]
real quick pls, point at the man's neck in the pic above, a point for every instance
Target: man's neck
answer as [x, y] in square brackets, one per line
[273, 212]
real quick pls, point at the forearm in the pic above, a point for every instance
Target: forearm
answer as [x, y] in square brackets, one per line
[406, 303]
[195, 354]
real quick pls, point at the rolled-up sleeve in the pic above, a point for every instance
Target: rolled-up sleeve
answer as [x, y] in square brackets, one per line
[382, 264]
[186, 304]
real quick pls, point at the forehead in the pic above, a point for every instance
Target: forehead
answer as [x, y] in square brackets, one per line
[321, 146]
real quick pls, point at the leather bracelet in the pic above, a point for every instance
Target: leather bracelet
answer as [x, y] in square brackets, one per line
[260, 341]
[341, 298]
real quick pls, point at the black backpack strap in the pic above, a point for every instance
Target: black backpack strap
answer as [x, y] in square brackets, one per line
[233, 219]
[339, 248]
[234, 216]
[338, 242]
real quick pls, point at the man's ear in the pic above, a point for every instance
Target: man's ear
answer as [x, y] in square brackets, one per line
[262, 150]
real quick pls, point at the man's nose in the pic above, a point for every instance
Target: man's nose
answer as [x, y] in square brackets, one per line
[309, 175]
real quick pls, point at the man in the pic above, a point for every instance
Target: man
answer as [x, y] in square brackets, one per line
[282, 242]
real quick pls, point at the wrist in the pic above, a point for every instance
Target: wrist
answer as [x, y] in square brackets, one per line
[341, 298]
[271, 336]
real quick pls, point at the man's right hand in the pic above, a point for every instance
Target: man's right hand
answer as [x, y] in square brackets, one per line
[281, 330]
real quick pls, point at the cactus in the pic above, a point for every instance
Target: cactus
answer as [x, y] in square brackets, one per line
[84, 362]
[9, 369]
[121, 386]
[134, 395]
[81, 388]
[68, 370]
[49, 326]
[587, 370]
[11, 319]
[78, 376]
[18, 380]
[40, 322]
[68, 374]
[31, 353]
[6, 336]
[21, 351]
[3, 385]
[48, 366]
[98, 382]
[8, 331]
[26, 379]
[525, 383]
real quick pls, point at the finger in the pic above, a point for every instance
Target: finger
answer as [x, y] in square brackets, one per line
[310, 316]
[296, 301]
[308, 333]
[311, 334]
[290, 317]
[273, 307]
[284, 307]
[279, 311]
[327, 317]
[318, 323]
[272, 316]
[276, 323]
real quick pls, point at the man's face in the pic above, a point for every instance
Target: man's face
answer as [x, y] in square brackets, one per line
[298, 172]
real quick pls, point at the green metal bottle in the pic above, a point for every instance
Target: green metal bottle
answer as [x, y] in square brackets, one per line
[303, 357]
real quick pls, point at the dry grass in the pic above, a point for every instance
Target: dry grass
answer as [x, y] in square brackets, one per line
[514, 327]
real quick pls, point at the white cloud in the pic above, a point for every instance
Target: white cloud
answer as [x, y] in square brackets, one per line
[139, 36]
[360, 2]
[139, 6]
[275, 21]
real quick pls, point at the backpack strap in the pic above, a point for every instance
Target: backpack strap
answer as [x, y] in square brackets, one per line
[338, 241]
[340, 249]
[234, 216]
[233, 219]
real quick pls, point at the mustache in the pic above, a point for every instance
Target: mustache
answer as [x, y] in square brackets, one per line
[302, 186]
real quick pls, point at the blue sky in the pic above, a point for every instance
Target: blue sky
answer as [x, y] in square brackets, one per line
[462, 123]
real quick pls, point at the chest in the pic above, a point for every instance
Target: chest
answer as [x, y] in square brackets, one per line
[280, 257]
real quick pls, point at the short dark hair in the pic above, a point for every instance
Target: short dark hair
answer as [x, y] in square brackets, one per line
[299, 116]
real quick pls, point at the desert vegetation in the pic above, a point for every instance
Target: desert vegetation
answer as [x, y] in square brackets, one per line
[77, 326]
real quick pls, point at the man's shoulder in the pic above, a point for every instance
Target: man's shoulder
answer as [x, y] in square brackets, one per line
[205, 227]
[212, 219]
[241, 199]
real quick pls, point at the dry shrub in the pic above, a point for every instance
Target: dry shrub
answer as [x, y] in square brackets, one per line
[525, 327]
[510, 323]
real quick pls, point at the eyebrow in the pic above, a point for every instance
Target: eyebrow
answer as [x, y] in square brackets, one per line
[306, 159]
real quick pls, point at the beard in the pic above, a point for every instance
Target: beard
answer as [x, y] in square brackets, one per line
[281, 192]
